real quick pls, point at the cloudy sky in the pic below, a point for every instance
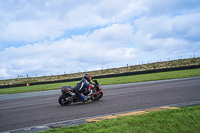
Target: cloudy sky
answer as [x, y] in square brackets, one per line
[44, 37]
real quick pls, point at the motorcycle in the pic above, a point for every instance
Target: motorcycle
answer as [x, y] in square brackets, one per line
[68, 96]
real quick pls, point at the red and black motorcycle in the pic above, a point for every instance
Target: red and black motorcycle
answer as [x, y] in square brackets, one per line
[68, 96]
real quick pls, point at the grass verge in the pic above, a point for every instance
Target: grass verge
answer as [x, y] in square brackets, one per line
[182, 120]
[107, 81]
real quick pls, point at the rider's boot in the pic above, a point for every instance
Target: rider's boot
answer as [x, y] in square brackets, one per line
[84, 99]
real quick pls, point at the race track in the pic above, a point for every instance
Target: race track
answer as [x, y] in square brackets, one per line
[26, 110]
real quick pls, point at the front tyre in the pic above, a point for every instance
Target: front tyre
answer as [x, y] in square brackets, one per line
[64, 100]
[100, 95]
[97, 97]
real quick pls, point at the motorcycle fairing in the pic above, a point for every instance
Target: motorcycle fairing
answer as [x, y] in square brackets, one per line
[67, 88]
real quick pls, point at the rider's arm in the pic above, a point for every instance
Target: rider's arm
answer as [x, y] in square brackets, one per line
[87, 86]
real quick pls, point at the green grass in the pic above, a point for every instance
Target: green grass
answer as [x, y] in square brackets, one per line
[108, 81]
[183, 120]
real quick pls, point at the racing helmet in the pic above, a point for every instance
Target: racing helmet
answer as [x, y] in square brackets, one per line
[88, 77]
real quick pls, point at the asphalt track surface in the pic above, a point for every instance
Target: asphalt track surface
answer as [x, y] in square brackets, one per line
[38, 108]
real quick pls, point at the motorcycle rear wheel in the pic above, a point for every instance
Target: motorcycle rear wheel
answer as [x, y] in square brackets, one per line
[64, 100]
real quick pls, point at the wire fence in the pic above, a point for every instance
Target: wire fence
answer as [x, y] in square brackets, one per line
[101, 68]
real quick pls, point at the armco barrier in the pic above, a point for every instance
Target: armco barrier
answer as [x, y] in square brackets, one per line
[108, 76]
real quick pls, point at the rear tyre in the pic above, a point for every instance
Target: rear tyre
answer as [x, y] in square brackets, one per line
[64, 100]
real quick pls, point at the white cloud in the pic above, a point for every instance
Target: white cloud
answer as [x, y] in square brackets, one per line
[164, 26]
[170, 7]
[115, 35]
[81, 51]
[166, 34]
[33, 21]
[30, 31]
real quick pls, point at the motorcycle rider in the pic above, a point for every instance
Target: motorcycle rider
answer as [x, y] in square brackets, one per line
[82, 85]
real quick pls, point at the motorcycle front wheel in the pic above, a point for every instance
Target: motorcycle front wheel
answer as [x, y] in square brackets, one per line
[64, 100]
[97, 97]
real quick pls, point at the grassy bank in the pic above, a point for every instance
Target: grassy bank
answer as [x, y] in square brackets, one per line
[135, 68]
[107, 81]
[183, 120]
